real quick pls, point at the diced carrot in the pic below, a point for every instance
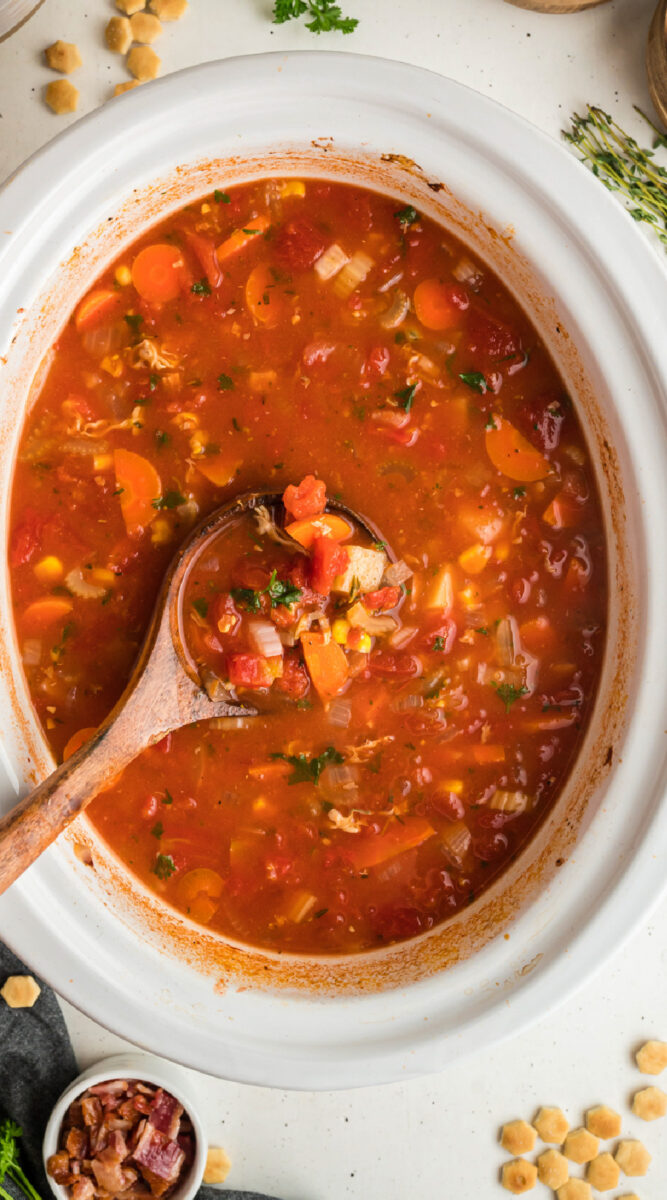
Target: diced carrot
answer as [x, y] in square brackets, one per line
[266, 304]
[327, 525]
[241, 238]
[399, 837]
[96, 307]
[200, 881]
[564, 512]
[217, 468]
[512, 453]
[537, 635]
[488, 753]
[139, 485]
[202, 908]
[157, 272]
[439, 305]
[41, 614]
[270, 770]
[77, 740]
[474, 559]
[326, 663]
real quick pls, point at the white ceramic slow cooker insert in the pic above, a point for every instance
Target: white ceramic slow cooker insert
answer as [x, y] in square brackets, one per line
[596, 293]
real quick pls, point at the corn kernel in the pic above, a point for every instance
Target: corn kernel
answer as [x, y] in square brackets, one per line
[113, 365]
[103, 576]
[123, 276]
[161, 531]
[49, 569]
[198, 442]
[103, 462]
[205, 208]
[292, 187]
[185, 420]
[340, 630]
[452, 785]
[360, 641]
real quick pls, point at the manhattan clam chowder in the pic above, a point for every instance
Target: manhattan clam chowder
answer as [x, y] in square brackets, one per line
[422, 694]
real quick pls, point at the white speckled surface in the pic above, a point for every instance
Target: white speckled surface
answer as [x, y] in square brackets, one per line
[435, 1138]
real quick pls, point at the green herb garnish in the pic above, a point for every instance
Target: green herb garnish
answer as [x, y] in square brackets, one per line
[158, 829]
[164, 866]
[308, 770]
[169, 500]
[474, 380]
[134, 320]
[325, 15]
[518, 492]
[200, 606]
[407, 216]
[406, 396]
[508, 693]
[225, 383]
[221, 197]
[201, 288]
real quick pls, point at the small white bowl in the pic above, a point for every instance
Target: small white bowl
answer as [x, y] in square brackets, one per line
[147, 1069]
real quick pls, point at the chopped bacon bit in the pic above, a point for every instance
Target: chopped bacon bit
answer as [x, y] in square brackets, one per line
[166, 1113]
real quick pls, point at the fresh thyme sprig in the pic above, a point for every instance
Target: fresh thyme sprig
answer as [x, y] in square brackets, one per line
[622, 165]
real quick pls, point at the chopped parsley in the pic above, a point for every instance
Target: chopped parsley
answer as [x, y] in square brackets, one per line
[518, 492]
[153, 381]
[320, 913]
[158, 829]
[200, 606]
[406, 396]
[308, 770]
[201, 288]
[474, 380]
[225, 383]
[162, 438]
[134, 320]
[325, 15]
[490, 423]
[221, 197]
[169, 500]
[439, 644]
[407, 216]
[164, 866]
[168, 798]
[508, 693]
[247, 598]
[279, 591]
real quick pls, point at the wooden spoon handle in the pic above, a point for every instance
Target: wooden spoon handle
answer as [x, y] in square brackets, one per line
[555, 6]
[159, 698]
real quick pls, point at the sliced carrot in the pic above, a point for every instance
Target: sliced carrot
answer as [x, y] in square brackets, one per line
[78, 740]
[200, 881]
[266, 303]
[435, 304]
[327, 525]
[398, 838]
[41, 614]
[96, 307]
[326, 663]
[217, 468]
[157, 272]
[488, 753]
[241, 238]
[564, 512]
[139, 485]
[512, 453]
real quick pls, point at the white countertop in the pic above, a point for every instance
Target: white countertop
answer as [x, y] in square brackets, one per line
[434, 1138]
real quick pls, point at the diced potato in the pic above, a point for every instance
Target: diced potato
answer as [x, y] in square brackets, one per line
[603, 1173]
[649, 1104]
[652, 1058]
[603, 1121]
[20, 991]
[217, 1165]
[364, 571]
[474, 559]
[632, 1157]
[440, 590]
[552, 1125]
[331, 262]
[49, 570]
[553, 1169]
[519, 1176]
[517, 1137]
[292, 187]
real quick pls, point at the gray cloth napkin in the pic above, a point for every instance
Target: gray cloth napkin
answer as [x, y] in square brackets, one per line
[36, 1064]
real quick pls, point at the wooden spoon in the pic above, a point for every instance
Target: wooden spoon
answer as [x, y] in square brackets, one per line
[165, 692]
[555, 6]
[656, 61]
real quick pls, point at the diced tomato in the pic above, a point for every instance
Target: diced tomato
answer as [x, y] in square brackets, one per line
[205, 252]
[490, 341]
[377, 361]
[382, 600]
[26, 537]
[294, 681]
[307, 499]
[328, 559]
[249, 670]
[224, 615]
[297, 245]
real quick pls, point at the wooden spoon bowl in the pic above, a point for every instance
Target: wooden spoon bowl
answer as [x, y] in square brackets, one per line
[555, 6]
[165, 692]
[656, 61]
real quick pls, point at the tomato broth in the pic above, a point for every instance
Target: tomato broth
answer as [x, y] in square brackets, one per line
[423, 696]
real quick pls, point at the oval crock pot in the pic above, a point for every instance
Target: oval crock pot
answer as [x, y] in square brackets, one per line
[597, 294]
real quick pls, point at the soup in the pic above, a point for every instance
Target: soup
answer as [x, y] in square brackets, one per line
[273, 332]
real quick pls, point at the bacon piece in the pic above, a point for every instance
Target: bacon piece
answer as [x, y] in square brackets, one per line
[166, 1113]
[83, 1189]
[91, 1110]
[57, 1166]
[76, 1143]
[159, 1159]
[113, 1087]
[107, 1165]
